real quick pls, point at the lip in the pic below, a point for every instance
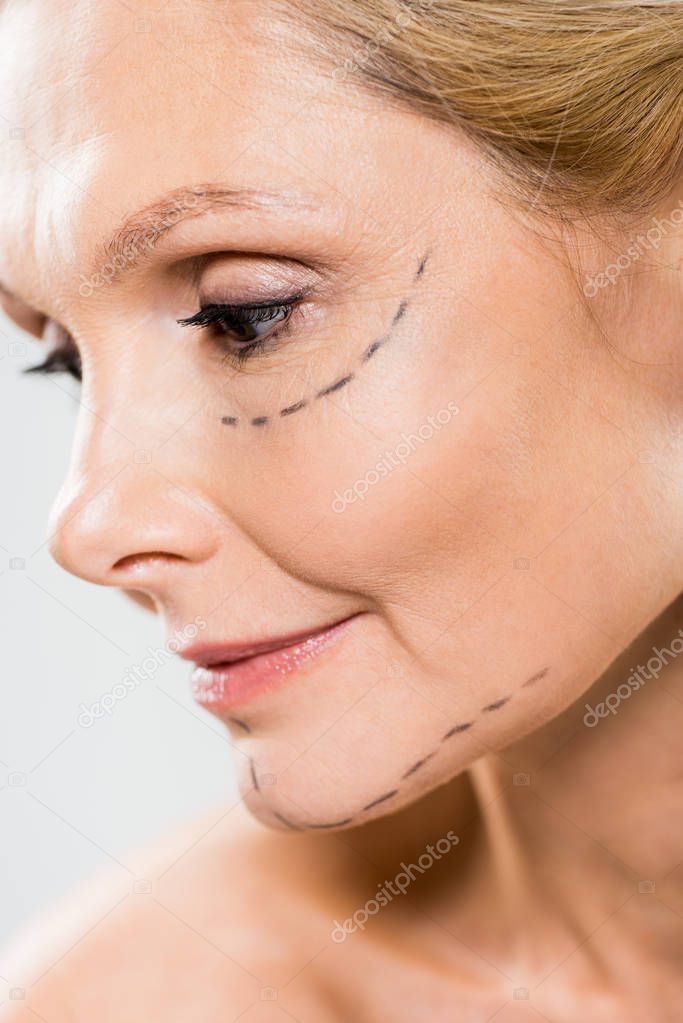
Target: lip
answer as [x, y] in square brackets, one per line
[229, 675]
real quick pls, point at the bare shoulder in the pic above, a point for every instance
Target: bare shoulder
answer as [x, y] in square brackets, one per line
[203, 919]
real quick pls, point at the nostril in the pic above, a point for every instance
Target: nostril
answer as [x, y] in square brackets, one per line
[139, 562]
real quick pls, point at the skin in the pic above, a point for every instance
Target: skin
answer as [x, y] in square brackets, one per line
[535, 534]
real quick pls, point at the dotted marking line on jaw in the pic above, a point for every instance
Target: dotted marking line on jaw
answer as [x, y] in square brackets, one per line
[496, 705]
[336, 385]
[416, 765]
[380, 799]
[458, 729]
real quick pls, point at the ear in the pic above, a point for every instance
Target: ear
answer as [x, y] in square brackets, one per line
[630, 272]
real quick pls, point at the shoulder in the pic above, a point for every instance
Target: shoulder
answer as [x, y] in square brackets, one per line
[199, 919]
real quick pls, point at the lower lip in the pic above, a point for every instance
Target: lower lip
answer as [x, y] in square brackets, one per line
[221, 687]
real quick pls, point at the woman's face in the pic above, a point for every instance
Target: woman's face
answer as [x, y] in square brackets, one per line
[423, 433]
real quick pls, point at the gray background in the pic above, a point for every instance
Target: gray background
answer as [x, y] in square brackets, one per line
[73, 799]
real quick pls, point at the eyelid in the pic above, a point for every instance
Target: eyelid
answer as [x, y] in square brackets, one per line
[250, 277]
[272, 302]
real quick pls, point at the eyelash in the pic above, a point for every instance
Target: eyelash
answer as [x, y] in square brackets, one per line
[224, 317]
[64, 359]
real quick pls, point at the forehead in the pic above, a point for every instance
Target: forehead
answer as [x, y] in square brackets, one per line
[107, 106]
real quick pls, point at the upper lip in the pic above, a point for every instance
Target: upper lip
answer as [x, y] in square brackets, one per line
[207, 655]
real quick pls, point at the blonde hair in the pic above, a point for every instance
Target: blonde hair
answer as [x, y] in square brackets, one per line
[579, 103]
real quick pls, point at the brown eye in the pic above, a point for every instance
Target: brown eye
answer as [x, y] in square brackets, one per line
[257, 323]
[246, 327]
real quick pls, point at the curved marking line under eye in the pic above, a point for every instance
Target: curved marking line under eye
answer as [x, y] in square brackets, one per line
[496, 705]
[336, 386]
[290, 409]
[400, 312]
[374, 347]
[253, 775]
[457, 728]
[387, 795]
[421, 267]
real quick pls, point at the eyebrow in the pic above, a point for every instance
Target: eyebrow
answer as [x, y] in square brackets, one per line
[141, 231]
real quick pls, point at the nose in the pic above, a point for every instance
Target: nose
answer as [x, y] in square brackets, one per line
[125, 514]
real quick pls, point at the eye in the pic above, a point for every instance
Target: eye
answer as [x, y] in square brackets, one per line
[63, 358]
[245, 327]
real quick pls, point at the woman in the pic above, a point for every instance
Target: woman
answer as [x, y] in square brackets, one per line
[377, 309]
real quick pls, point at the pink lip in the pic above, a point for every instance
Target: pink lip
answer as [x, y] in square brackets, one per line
[229, 675]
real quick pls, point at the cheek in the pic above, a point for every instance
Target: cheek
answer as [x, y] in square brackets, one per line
[418, 486]
[442, 515]
[382, 727]
[333, 492]
[445, 506]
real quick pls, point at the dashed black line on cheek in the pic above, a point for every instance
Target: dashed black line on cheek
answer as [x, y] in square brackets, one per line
[455, 730]
[287, 823]
[332, 824]
[380, 799]
[374, 347]
[337, 385]
[291, 409]
[400, 312]
[536, 678]
[417, 765]
[496, 705]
